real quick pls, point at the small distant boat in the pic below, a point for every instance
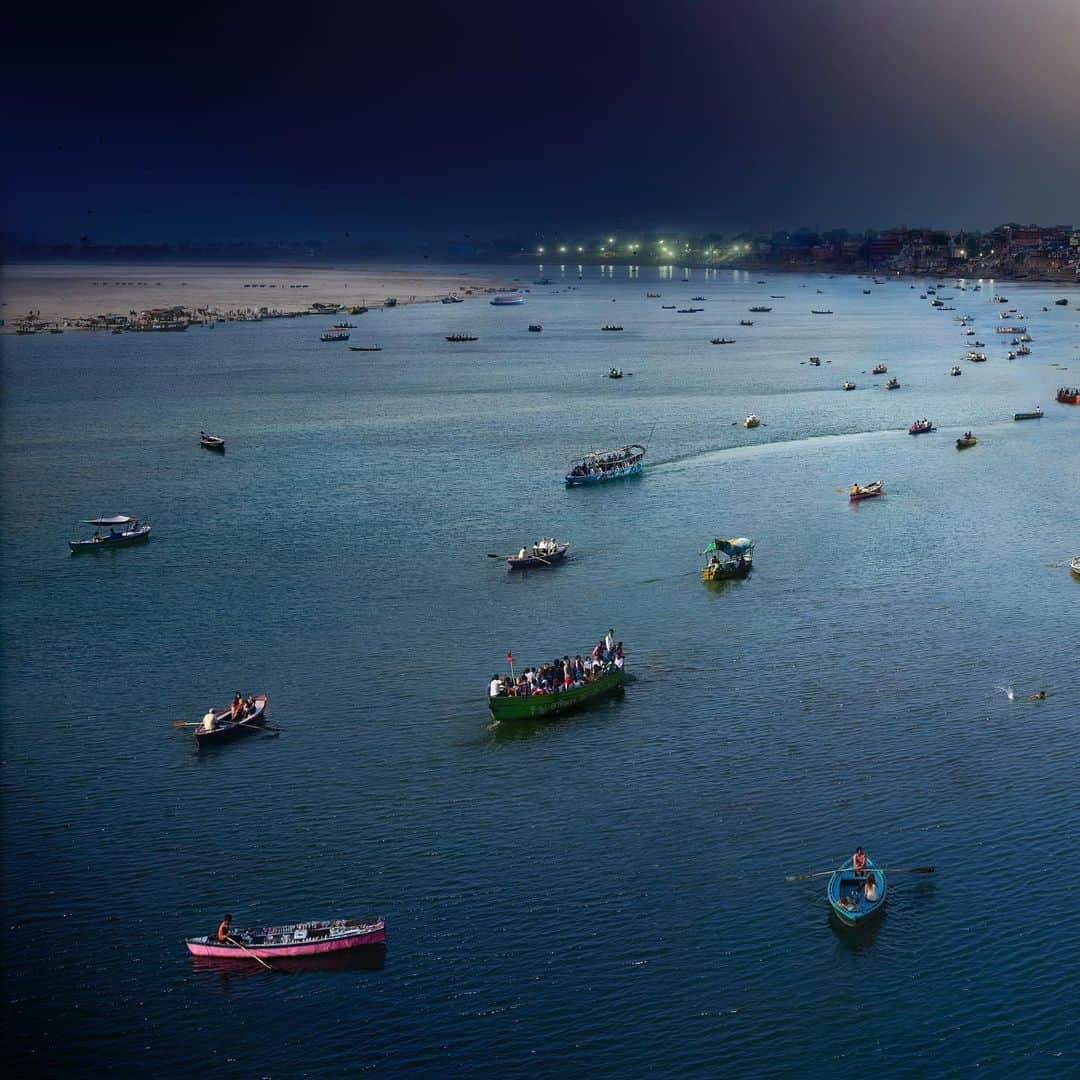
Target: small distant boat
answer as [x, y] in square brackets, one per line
[893, 384]
[859, 492]
[746, 322]
[867, 292]
[966, 440]
[689, 310]
[602, 465]
[722, 341]
[815, 361]
[117, 330]
[751, 421]
[653, 295]
[1069, 395]
[334, 335]
[1036, 414]
[955, 371]
[699, 298]
[507, 301]
[878, 369]
[224, 729]
[760, 308]
[359, 309]
[390, 301]
[1026, 338]
[610, 326]
[1074, 566]
[977, 357]
[123, 530]
[462, 337]
[615, 373]
[667, 307]
[732, 558]
[848, 386]
[921, 427]
[847, 893]
[1062, 302]
[293, 940]
[815, 311]
[543, 281]
[535, 560]
[344, 326]
[780, 297]
[451, 299]
[212, 442]
[365, 348]
[535, 328]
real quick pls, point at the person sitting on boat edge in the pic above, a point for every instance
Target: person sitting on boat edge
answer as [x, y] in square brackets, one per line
[870, 890]
[223, 929]
[620, 660]
[522, 553]
[858, 862]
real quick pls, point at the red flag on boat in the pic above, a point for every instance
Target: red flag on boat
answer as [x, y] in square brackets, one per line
[509, 657]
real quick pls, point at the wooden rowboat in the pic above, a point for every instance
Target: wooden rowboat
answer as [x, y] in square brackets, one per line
[965, 441]
[293, 940]
[212, 442]
[225, 730]
[869, 491]
[847, 896]
[538, 706]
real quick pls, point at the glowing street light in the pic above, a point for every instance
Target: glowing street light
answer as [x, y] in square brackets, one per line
[540, 250]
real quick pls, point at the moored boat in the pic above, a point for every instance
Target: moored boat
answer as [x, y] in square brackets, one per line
[123, 530]
[848, 894]
[602, 465]
[1035, 414]
[732, 558]
[292, 940]
[212, 442]
[872, 490]
[222, 728]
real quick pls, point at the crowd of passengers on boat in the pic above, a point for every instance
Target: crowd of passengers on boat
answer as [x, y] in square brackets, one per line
[560, 675]
[239, 710]
[599, 464]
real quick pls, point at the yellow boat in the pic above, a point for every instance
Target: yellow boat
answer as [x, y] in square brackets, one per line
[732, 558]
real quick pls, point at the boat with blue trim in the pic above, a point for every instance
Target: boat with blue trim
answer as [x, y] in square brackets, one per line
[601, 465]
[507, 301]
[123, 530]
[857, 896]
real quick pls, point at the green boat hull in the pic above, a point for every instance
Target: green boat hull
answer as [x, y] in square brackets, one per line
[541, 705]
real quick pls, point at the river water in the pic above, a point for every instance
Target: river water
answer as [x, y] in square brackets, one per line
[604, 895]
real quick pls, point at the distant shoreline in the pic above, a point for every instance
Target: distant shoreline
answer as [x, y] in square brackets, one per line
[80, 297]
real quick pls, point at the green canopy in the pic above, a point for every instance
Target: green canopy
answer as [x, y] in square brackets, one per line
[737, 545]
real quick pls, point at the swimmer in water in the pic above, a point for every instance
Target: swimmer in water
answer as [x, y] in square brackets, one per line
[1040, 696]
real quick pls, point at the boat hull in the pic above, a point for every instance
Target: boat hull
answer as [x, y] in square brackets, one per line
[538, 562]
[540, 706]
[328, 941]
[225, 730]
[844, 884]
[963, 444]
[118, 540]
[725, 573]
[1027, 416]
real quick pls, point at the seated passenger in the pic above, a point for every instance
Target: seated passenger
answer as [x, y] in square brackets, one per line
[870, 890]
[858, 862]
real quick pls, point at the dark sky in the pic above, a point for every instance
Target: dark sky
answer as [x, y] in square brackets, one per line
[151, 122]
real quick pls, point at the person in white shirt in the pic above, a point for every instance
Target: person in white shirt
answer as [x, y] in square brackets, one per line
[494, 687]
[208, 720]
[609, 640]
[521, 553]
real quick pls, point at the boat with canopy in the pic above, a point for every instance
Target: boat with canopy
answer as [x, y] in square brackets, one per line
[732, 558]
[123, 530]
[602, 465]
[291, 940]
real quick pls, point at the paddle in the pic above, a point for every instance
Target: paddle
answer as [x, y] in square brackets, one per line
[527, 556]
[249, 952]
[883, 869]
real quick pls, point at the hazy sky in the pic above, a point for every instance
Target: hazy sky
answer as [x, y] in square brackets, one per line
[137, 122]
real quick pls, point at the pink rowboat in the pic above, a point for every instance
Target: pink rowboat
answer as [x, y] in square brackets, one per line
[297, 939]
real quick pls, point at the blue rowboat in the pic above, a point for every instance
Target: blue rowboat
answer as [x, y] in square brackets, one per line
[603, 465]
[847, 893]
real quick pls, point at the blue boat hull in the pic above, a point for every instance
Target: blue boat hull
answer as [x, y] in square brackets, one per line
[602, 477]
[845, 885]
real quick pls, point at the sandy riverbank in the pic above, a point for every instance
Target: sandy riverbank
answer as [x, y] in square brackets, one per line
[59, 292]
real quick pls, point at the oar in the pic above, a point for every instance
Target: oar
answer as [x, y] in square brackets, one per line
[883, 869]
[249, 952]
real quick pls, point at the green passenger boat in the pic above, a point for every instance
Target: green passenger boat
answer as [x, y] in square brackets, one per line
[541, 705]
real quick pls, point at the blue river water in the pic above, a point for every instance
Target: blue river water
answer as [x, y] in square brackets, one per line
[603, 895]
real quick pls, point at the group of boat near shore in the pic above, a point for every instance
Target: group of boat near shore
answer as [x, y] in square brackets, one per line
[856, 890]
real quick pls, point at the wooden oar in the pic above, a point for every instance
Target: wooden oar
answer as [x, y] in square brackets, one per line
[249, 952]
[883, 869]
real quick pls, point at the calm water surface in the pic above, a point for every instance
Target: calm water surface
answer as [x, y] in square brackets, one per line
[603, 895]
